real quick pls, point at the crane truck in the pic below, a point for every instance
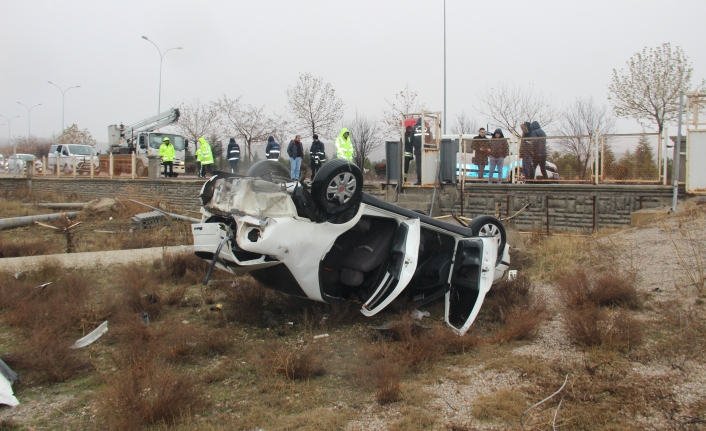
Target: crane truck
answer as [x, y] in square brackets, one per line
[142, 139]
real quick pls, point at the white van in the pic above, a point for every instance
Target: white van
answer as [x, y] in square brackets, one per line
[67, 153]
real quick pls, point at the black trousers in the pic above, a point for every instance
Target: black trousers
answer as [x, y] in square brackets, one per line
[314, 169]
[407, 161]
[233, 166]
[208, 167]
[481, 171]
[540, 161]
[168, 167]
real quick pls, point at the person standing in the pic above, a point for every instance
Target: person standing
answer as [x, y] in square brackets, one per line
[233, 155]
[295, 151]
[417, 139]
[167, 153]
[317, 153]
[499, 149]
[343, 145]
[408, 150]
[205, 156]
[526, 152]
[539, 146]
[481, 148]
[272, 150]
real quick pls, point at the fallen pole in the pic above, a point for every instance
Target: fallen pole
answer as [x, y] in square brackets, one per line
[8, 223]
[176, 216]
[58, 205]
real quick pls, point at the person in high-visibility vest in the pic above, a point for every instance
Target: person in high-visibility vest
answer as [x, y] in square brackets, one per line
[408, 150]
[233, 155]
[344, 146]
[205, 156]
[167, 153]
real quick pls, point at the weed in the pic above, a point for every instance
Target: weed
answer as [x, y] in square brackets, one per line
[414, 419]
[183, 266]
[388, 379]
[581, 289]
[295, 363]
[593, 326]
[176, 295]
[154, 393]
[141, 293]
[521, 323]
[690, 246]
[244, 300]
[514, 305]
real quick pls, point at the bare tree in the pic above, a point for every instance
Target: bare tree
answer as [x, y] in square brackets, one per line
[247, 122]
[74, 135]
[579, 123]
[406, 101]
[198, 119]
[463, 124]
[649, 89]
[365, 136]
[314, 105]
[508, 105]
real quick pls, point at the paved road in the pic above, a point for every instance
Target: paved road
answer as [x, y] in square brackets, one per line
[90, 259]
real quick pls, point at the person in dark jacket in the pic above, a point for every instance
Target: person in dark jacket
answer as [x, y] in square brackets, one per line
[272, 150]
[539, 153]
[526, 152]
[499, 149]
[408, 150]
[317, 154]
[481, 147]
[233, 151]
[295, 151]
[419, 131]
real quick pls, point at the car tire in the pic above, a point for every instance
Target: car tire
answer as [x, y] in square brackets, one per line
[486, 225]
[337, 187]
[268, 170]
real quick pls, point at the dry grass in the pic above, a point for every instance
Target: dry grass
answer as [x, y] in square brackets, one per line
[140, 291]
[25, 248]
[613, 329]
[244, 300]
[505, 405]
[295, 363]
[414, 419]
[553, 256]
[182, 267]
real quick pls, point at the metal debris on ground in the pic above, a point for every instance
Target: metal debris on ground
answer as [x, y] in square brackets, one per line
[9, 373]
[145, 319]
[386, 329]
[43, 286]
[93, 336]
[149, 220]
[316, 337]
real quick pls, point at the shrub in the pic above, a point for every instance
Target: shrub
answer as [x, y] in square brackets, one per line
[580, 289]
[514, 305]
[140, 291]
[24, 248]
[387, 378]
[183, 266]
[295, 363]
[505, 405]
[244, 300]
[593, 326]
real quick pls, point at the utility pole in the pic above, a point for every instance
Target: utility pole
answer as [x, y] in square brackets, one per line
[161, 57]
[9, 123]
[444, 119]
[63, 93]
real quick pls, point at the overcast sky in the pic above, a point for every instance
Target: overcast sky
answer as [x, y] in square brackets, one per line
[368, 50]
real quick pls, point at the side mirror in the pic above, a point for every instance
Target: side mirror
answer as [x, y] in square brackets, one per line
[142, 142]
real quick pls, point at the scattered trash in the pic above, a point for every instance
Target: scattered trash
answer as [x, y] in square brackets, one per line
[386, 329]
[93, 336]
[419, 315]
[657, 289]
[290, 324]
[185, 322]
[105, 231]
[522, 416]
[145, 318]
[111, 218]
[7, 397]
[512, 274]
[43, 285]
[17, 274]
[316, 337]
[9, 374]
[324, 317]
[191, 343]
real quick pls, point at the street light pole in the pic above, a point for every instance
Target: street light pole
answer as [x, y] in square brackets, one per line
[161, 57]
[63, 93]
[29, 113]
[9, 123]
[444, 119]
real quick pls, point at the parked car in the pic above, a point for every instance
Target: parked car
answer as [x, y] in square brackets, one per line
[16, 163]
[332, 243]
[2, 163]
[67, 154]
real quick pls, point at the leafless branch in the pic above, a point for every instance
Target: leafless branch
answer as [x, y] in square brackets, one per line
[314, 105]
[365, 136]
[507, 106]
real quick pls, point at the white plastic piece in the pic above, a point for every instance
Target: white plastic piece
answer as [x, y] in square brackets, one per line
[7, 397]
[419, 315]
[93, 336]
[512, 274]
[316, 337]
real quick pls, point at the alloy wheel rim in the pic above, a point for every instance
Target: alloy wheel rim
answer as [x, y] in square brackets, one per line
[489, 230]
[341, 188]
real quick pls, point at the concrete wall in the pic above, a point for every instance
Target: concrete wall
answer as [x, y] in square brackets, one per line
[565, 207]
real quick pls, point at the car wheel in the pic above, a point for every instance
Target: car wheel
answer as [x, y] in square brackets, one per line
[269, 170]
[337, 187]
[490, 226]
[67, 169]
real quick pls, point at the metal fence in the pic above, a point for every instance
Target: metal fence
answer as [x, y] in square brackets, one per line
[631, 158]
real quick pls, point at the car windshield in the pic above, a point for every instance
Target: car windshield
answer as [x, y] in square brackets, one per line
[176, 140]
[81, 150]
[25, 156]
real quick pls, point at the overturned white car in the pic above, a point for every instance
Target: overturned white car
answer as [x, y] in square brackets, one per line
[333, 243]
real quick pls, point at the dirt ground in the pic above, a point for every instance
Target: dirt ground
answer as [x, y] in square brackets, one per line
[618, 316]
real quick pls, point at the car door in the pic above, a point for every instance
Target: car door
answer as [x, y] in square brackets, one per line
[471, 278]
[402, 263]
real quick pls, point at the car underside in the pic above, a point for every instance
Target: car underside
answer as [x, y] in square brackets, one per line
[333, 243]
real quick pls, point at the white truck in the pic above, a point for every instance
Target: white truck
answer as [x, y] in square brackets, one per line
[141, 139]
